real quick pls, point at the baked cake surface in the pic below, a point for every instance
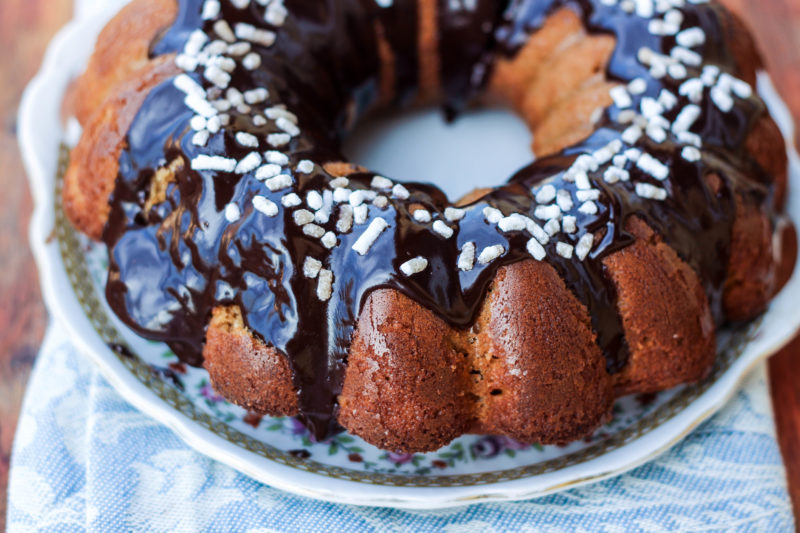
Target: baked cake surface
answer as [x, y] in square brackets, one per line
[308, 286]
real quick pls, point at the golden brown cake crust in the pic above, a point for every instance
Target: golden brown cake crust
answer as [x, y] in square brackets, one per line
[668, 324]
[243, 369]
[122, 48]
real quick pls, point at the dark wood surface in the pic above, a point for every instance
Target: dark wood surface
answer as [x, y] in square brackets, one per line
[26, 27]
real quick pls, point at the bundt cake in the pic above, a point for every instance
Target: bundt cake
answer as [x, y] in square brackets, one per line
[237, 232]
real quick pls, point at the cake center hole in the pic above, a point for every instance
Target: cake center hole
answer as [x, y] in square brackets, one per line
[481, 148]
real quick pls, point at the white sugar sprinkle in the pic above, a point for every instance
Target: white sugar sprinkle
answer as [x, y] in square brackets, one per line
[492, 214]
[276, 158]
[513, 222]
[545, 212]
[650, 107]
[345, 222]
[232, 213]
[311, 267]
[585, 163]
[379, 182]
[276, 13]
[637, 86]
[213, 162]
[248, 163]
[186, 62]
[200, 138]
[657, 133]
[490, 253]
[569, 224]
[653, 166]
[621, 97]
[691, 154]
[564, 250]
[466, 259]
[278, 139]
[442, 229]
[564, 200]
[281, 181]
[303, 217]
[305, 166]
[200, 105]
[329, 240]
[615, 174]
[646, 190]
[686, 118]
[223, 29]
[537, 231]
[341, 195]
[370, 235]
[247, 139]
[210, 9]
[239, 49]
[546, 194]
[584, 246]
[314, 200]
[692, 89]
[691, 37]
[313, 230]
[552, 227]
[422, 216]
[414, 266]
[256, 96]
[453, 214]
[690, 138]
[278, 111]
[325, 285]
[214, 124]
[357, 197]
[338, 183]
[248, 32]
[217, 76]
[584, 196]
[322, 216]
[632, 134]
[251, 61]
[197, 123]
[536, 249]
[633, 154]
[667, 99]
[400, 192]
[360, 214]
[186, 84]
[588, 208]
[288, 126]
[721, 99]
[265, 205]
[686, 56]
[268, 171]
[291, 200]
[606, 153]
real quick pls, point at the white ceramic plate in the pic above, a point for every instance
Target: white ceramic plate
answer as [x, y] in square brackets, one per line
[344, 468]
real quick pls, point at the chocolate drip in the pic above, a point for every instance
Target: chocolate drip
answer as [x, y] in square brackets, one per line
[175, 262]
[466, 36]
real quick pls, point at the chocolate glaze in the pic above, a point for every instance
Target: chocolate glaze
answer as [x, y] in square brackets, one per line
[171, 265]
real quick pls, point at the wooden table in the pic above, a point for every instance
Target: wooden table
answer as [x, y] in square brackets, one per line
[26, 27]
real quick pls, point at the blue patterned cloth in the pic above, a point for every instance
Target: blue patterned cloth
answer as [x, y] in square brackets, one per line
[86, 460]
